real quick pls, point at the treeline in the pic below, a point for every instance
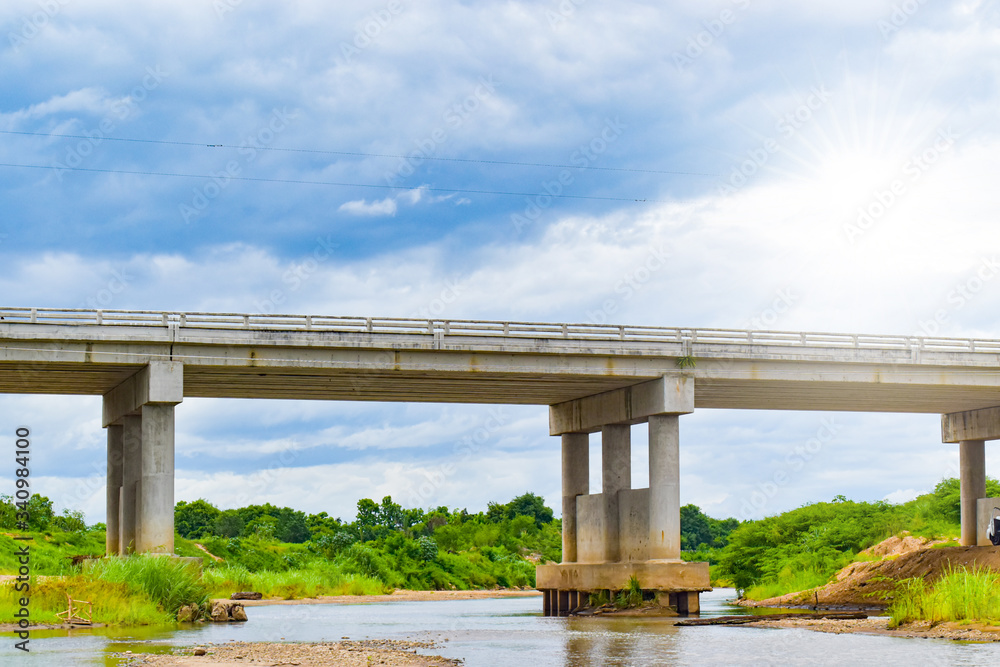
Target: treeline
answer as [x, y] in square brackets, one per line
[41, 516]
[403, 548]
[804, 547]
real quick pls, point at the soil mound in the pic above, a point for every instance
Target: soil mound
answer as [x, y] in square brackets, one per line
[870, 584]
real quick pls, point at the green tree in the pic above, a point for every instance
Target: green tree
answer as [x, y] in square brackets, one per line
[368, 519]
[195, 519]
[229, 523]
[531, 505]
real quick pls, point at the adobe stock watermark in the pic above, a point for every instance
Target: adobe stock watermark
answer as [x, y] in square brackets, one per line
[630, 283]
[456, 115]
[33, 24]
[420, 493]
[584, 156]
[713, 29]
[297, 274]
[120, 111]
[794, 462]
[786, 127]
[436, 307]
[368, 31]
[564, 10]
[960, 296]
[883, 200]
[116, 284]
[899, 16]
[782, 303]
[248, 150]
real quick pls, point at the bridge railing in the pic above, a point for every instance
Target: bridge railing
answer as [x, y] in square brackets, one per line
[496, 329]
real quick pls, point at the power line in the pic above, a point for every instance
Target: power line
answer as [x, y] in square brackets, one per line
[358, 154]
[335, 183]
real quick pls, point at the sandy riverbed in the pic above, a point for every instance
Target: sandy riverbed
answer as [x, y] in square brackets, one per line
[351, 653]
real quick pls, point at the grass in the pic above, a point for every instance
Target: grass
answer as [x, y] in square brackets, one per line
[225, 580]
[124, 591]
[958, 595]
[790, 581]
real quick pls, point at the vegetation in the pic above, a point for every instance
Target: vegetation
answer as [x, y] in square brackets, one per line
[958, 595]
[804, 548]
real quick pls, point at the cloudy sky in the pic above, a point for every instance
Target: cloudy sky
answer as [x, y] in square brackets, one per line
[505, 161]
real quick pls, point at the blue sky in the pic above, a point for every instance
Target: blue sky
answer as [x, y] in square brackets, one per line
[823, 166]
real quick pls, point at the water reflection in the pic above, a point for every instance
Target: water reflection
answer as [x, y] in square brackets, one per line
[509, 632]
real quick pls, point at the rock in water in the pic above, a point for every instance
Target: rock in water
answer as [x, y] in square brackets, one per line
[187, 613]
[237, 613]
[220, 612]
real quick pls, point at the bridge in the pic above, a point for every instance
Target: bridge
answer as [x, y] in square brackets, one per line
[595, 378]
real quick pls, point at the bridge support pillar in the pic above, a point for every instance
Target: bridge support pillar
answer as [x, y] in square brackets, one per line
[622, 532]
[972, 485]
[616, 476]
[575, 482]
[114, 488]
[971, 430]
[142, 408]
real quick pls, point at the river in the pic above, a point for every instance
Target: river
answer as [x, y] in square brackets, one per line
[511, 631]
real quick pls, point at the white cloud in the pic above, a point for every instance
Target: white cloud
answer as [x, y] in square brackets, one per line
[385, 206]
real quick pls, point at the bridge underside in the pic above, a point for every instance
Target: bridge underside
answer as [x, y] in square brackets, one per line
[895, 392]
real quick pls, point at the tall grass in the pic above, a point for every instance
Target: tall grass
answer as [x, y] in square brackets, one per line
[309, 582]
[137, 590]
[168, 582]
[958, 595]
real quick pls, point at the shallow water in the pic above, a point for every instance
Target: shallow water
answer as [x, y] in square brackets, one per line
[512, 631]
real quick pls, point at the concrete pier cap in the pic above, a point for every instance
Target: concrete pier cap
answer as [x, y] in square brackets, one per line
[670, 394]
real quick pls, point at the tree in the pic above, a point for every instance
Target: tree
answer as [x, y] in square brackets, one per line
[70, 521]
[531, 505]
[195, 519]
[368, 519]
[229, 523]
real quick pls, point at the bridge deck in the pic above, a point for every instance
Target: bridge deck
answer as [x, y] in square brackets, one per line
[331, 358]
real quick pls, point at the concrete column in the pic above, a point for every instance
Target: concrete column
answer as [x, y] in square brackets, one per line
[156, 492]
[664, 488]
[972, 480]
[575, 482]
[114, 488]
[616, 475]
[131, 474]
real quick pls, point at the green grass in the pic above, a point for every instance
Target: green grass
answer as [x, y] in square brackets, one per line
[50, 551]
[958, 595]
[124, 591]
[789, 581]
[225, 580]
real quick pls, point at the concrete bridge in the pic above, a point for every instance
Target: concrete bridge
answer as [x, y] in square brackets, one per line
[602, 378]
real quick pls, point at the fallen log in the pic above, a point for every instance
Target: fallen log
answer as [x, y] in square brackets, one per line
[743, 619]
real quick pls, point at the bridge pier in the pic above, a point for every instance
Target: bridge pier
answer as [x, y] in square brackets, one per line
[971, 429]
[622, 532]
[139, 416]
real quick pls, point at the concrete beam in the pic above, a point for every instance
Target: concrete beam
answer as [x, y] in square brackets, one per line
[670, 394]
[158, 382]
[971, 425]
[659, 576]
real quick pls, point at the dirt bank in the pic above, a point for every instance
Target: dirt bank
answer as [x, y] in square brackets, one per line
[869, 584]
[351, 653]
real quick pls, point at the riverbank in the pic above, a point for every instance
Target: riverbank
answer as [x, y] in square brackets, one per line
[394, 653]
[870, 584]
[970, 632]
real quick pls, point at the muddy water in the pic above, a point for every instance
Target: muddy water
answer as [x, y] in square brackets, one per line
[512, 632]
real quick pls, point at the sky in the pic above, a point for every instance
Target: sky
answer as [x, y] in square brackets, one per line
[820, 166]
